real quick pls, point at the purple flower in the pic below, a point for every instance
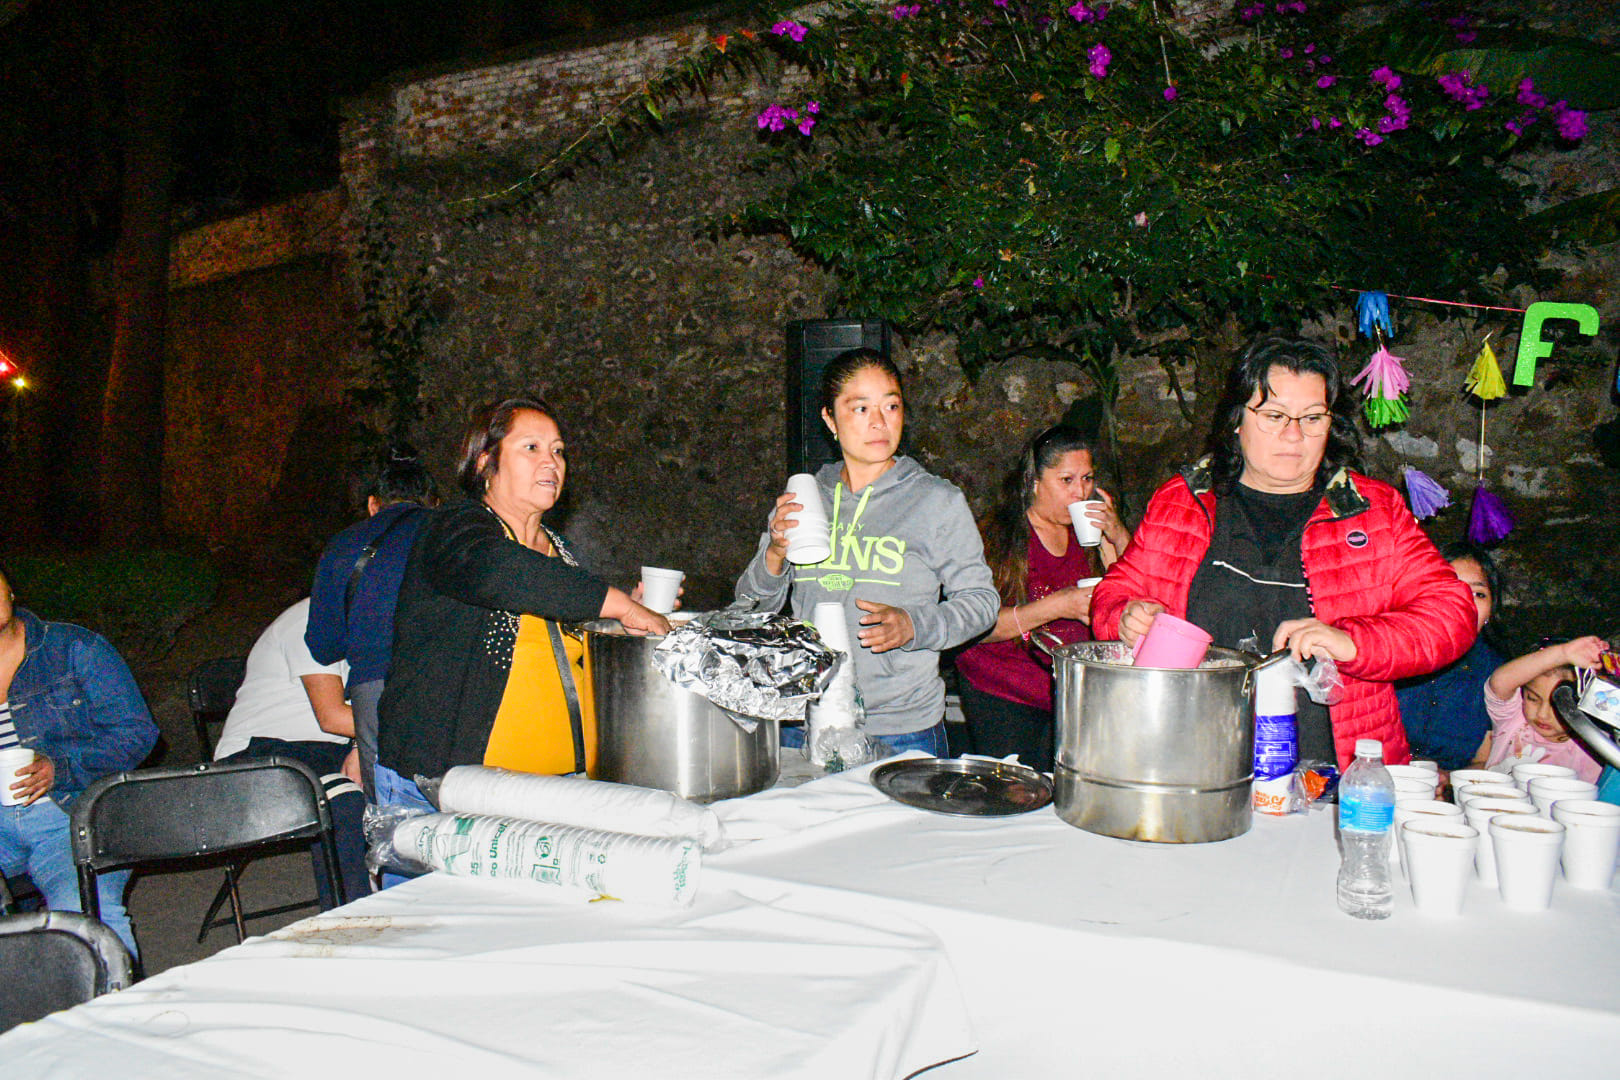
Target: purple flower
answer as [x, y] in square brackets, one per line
[1100, 58]
[1515, 126]
[1388, 125]
[1529, 96]
[901, 11]
[1459, 86]
[1466, 36]
[1335, 122]
[1324, 59]
[806, 124]
[999, 3]
[978, 283]
[1171, 93]
[1368, 136]
[1316, 123]
[1326, 81]
[1571, 124]
[1298, 7]
[1397, 105]
[1286, 54]
[1083, 14]
[776, 117]
[1310, 48]
[789, 29]
[1252, 12]
[812, 107]
[1386, 78]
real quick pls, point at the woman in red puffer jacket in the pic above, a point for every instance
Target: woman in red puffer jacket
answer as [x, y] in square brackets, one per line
[1273, 542]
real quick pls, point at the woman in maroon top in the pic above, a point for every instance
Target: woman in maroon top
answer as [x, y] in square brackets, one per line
[1030, 544]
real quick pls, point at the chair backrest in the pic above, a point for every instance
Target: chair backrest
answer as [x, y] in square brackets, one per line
[176, 813]
[67, 958]
[211, 689]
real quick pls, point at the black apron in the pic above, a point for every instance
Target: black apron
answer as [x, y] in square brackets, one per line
[1252, 579]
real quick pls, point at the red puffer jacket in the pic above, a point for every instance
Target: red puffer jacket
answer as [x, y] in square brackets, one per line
[1369, 571]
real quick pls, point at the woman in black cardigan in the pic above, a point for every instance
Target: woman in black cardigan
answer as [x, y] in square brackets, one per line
[481, 674]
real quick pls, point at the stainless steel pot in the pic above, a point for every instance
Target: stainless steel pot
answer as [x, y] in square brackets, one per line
[654, 734]
[1158, 754]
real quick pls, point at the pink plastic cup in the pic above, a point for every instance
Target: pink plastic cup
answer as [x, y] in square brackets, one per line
[1171, 643]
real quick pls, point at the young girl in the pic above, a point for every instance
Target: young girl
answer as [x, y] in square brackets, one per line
[1444, 712]
[1525, 726]
[907, 562]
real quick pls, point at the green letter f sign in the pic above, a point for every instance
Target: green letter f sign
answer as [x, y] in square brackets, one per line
[1532, 348]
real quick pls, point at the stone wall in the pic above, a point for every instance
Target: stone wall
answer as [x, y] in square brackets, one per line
[661, 344]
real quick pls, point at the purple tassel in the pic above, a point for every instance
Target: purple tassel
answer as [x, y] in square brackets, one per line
[1488, 520]
[1424, 494]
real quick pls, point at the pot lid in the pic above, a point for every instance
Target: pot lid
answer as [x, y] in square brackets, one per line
[973, 787]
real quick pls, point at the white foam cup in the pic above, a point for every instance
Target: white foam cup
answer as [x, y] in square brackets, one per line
[1088, 532]
[1527, 771]
[1479, 815]
[1425, 764]
[1412, 772]
[1591, 841]
[660, 588]
[1459, 777]
[17, 757]
[1087, 582]
[1547, 790]
[1409, 811]
[1439, 855]
[1411, 789]
[832, 624]
[1527, 848]
[809, 538]
[1469, 792]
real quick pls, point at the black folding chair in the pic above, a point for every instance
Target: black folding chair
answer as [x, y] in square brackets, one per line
[55, 960]
[211, 688]
[202, 811]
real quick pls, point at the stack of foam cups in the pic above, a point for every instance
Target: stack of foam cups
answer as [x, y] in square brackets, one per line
[809, 537]
[836, 706]
[1527, 771]
[12, 759]
[1276, 738]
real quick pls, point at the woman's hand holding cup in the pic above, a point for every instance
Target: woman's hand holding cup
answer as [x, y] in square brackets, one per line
[884, 627]
[782, 519]
[1136, 618]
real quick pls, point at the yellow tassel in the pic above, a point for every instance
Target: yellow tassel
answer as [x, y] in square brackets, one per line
[1485, 377]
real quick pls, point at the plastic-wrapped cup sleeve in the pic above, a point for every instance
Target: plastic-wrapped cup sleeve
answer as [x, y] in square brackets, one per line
[580, 802]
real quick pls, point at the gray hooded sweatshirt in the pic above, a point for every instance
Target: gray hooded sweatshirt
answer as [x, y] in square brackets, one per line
[906, 540]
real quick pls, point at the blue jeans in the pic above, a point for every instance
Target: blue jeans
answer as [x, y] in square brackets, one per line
[394, 790]
[930, 740]
[35, 839]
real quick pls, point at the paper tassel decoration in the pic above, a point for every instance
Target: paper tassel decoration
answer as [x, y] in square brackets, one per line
[1372, 314]
[1384, 380]
[1488, 520]
[1485, 377]
[1424, 494]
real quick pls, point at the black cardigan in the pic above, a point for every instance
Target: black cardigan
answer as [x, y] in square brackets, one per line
[453, 635]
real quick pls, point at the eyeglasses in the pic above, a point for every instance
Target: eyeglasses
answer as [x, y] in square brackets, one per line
[1273, 422]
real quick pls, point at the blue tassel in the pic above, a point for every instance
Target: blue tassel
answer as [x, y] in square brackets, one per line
[1372, 313]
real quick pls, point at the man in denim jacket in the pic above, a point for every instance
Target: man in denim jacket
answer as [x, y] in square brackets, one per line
[66, 694]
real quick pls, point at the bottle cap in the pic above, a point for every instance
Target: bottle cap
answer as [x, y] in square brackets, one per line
[1369, 748]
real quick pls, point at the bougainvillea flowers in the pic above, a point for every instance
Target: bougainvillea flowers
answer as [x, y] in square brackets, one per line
[789, 29]
[1100, 57]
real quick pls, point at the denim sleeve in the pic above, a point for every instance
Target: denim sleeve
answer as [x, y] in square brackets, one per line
[114, 730]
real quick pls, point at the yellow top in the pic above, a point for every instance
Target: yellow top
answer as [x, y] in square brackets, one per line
[532, 732]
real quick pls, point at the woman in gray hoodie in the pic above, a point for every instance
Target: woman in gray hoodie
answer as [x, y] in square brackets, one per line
[907, 563]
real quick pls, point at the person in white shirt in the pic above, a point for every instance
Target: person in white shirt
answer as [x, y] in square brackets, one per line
[290, 706]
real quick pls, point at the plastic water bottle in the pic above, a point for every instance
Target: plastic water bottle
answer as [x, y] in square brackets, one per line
[1366, 811]
[1276, 739]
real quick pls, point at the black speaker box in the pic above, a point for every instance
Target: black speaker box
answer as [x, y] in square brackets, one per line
[811, 343]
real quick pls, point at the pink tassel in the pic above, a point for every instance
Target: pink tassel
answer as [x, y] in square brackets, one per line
[1384, 380]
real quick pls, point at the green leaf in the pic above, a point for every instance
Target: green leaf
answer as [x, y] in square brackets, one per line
[652, 109]
[1111, 149]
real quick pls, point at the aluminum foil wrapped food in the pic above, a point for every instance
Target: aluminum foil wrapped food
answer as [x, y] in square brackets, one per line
[750, 663]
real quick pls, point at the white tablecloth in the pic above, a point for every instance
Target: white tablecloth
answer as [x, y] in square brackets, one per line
[1081, 953]
[850, 936]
